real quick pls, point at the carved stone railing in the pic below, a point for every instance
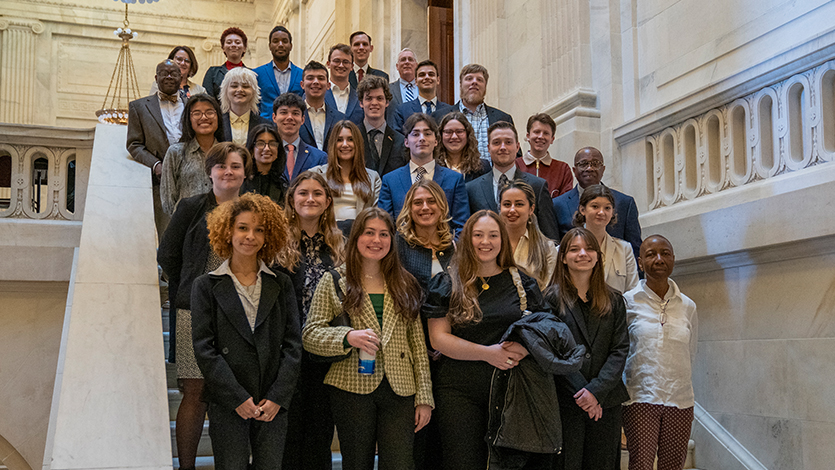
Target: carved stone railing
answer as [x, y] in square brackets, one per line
[781, 128]
[43, 171]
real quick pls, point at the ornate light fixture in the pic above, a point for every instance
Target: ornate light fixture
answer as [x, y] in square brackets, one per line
[123, 81]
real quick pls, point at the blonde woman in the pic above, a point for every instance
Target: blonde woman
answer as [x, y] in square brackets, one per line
[239, 98]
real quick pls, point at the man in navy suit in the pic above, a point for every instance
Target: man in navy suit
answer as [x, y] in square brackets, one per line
[279, 75]
[319, 115]
[588, 169]
[484, 190]
[362, 48]
[341, 95]
[473, 79]
[383, 145]
[421, 140]
[427, 101]
[289, 115]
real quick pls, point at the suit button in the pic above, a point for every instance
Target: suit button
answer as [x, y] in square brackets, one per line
[225, 351]
[588, 355]
[402, 355]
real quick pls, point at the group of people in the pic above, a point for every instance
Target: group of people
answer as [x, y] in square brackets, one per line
[344, 251]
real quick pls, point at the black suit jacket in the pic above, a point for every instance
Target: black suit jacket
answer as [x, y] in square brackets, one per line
[352, 76]
[332, 116]
[254, 120]
[482, 196]
[412, 107]
[147, 142]
[213, 79]
[626, 228]
[393, 155]
[607, 344]
[493, 114]
[237, 362]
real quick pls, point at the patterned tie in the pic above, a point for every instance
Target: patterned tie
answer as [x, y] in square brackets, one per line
[419, 172]
[410, 94]
[372, 139]
[360, 74]
[502, 183]
[166, 97]
[428, 107]
[291, 159]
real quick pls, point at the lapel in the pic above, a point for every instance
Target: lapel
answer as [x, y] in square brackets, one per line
[301, 158]
[329, 121]
[491, 115]
[353, 101]
[269, 294]
[577, 314]
[406, 183]
[309, 127]
[152, 104]
[296, 76]
[439, 175]
[352, 78]
[592, 328]
[487, 192]
[227, 299]
[369, 162]
[270, 73]
[388, 141]
[389, 319]
[227, 126]
[395, 91]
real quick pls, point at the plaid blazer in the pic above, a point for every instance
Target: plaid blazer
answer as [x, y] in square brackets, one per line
[402, 357]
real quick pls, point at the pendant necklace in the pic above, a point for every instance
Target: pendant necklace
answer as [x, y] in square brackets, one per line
[484, 285]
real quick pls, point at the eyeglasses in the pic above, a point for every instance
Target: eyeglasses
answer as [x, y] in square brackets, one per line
[458, 132]
[182, 60]
[586, 164]
[210, 114]
[260, 144]
[164, 74]
[344, 62]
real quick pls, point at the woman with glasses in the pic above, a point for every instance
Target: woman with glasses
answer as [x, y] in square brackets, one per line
[184, 57]
[268, 177]
[182, 168]
[459, 148]
[239, 98]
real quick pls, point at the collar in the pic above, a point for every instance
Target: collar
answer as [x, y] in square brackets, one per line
[404, 82]
[424, 100]
[175, 98]
[340, 91]
[579, 191]
[672, 292]
[289, 67]
[429, 167]
[315, 110]
[295, 143]
[224, 269]
[364, 68]
[230, 65]
[511, 173]
[369, 127]
[192, 146]
[235, 119]
[479, 110]
[530, 159]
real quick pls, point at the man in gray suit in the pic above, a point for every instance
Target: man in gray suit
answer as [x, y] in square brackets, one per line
[405, 88]
[154, 123]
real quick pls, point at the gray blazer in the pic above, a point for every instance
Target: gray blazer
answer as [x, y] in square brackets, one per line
[147, 141]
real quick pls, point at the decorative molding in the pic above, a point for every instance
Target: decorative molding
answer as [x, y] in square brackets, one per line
[118, 12]
[36, 26]
[728, 441]
[581, 102]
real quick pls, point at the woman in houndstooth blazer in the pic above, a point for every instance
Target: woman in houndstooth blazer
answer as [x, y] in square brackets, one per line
[385, 408]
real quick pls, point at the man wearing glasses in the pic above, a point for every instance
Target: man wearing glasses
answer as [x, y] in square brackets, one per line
[588, 169]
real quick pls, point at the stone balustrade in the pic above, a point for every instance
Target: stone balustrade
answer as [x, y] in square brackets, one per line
[785, 127]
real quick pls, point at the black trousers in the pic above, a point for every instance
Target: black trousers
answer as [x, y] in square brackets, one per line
[310, 426]
[589, 444]
[234, 437]
[383, 418]
[427, 450]
[502, 458]
[462, 397]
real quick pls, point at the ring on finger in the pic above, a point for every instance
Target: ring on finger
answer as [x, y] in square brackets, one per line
[510, 361]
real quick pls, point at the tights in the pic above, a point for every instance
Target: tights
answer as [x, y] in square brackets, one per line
[190, 417]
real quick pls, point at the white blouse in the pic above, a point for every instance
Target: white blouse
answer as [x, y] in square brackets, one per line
[520, 256]
[663, 337]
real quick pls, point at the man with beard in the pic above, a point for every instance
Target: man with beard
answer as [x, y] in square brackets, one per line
[361, 48]
[588, 169]
[473, 80]
[279, 75]
[153, 125]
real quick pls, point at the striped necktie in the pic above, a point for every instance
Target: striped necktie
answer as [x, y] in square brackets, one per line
[410, 93]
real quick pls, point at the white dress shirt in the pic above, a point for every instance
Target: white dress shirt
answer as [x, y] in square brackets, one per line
[663, 338]
[341, 96]
[317, 121]
[429, 167]
[511, 173]
[171, 115]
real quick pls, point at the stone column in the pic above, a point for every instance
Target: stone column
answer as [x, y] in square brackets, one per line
[17, 69]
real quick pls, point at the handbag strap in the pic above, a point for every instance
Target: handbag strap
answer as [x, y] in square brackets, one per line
[520, 289]
[335, 275]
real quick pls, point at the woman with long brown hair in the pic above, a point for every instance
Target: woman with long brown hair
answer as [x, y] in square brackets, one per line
[459, 147]
[382, 392]
[354, 186]
[590, 400]
[468, 310]
[315, 245]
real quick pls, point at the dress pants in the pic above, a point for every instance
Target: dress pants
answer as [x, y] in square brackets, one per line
[589, 444]
[381, 417]
[310, 427]
[233, 437]
[502, 458]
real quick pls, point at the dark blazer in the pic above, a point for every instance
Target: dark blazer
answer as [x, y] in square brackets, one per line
[482, 196]
[493, 114]
[412, 107]
[213, 79]
[396, 101]
[353, 112]
[254, 120]
[307, 156]
[332, 116]
[486, 167]
[147, 141]
[352, 77]
[393, 155]
[607, 344]
[627, 227]
[269, 86]
[418, 260]
[397, 183]
[236, 362]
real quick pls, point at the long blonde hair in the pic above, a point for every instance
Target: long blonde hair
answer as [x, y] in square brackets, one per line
[538, 244]
[406, 225]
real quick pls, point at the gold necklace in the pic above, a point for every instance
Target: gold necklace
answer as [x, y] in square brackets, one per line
[484, 285]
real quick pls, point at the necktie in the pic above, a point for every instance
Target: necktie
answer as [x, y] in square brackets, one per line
[502, 184]
[428, 107]
[419, 172]
[291, 159]
[360, 74]
[410, 94]
[372, 139]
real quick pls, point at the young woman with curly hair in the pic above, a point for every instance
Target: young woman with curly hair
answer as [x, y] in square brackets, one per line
[246, 334]
[385, 406]
[459, 147]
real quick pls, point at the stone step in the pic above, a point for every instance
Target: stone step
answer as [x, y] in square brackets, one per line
[204, 448]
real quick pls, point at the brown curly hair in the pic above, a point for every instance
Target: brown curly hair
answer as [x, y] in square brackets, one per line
[221, 221]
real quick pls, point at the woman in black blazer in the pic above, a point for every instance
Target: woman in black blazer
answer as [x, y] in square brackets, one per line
[233, 43]
[239, 99]
[590, 400]
[184, 254]
[246, 334]
[270, 160]
[424, 243]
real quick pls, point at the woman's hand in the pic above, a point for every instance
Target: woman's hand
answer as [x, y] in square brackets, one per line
[502, 359]
[514, 347]
[422, 415]
[247, 409]
[364, 339]
[268, 410]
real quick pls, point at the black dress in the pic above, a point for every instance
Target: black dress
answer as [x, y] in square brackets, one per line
[462, 388]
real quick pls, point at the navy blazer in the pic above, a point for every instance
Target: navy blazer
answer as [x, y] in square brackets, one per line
[332, 116]
[254, 120]
[353, 112]
[412, 107]
[307, 156]
[269, 86]
[397, 183]
[627, 227]
[238, 363]
[482, 196]
[352, 76]
[393, 155]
